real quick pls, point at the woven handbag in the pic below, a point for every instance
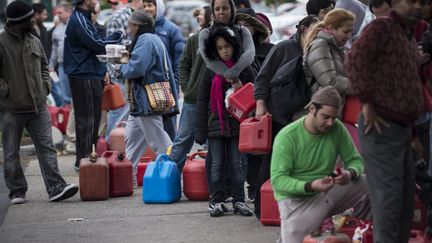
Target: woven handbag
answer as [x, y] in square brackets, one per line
[159, 94]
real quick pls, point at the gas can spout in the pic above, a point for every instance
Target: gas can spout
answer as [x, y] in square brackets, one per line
[93, 155]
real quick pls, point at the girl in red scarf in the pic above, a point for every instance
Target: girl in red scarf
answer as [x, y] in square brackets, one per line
[216, 125]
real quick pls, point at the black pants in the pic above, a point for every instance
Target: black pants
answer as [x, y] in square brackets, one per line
[87, 102]
[264, 171]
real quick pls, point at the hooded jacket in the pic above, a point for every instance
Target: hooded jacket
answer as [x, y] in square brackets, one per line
[248, 53]
[171, 36]
[324, 60]
[81, 46]
[24, 78]
[146, 66]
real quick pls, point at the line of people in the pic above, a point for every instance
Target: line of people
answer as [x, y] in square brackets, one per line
[231, 49]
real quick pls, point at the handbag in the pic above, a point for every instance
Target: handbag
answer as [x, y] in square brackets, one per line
[112, 97]
[159, 94]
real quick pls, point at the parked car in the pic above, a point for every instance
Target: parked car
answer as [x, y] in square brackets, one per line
[181, 13]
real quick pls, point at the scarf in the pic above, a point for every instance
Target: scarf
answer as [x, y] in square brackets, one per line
[216, 96]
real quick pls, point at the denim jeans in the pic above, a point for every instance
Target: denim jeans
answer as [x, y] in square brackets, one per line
[56, 92]
[184, 140]
[38, 124]
[119, 114]
[64, 86]
[226, 149]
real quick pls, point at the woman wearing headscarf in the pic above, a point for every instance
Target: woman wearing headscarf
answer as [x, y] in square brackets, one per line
[149, 63]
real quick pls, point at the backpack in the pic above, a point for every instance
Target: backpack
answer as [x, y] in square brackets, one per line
[289, 90]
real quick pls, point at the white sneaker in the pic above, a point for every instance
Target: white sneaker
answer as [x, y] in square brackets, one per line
[67, 192]
[70, 147]
[18, 200]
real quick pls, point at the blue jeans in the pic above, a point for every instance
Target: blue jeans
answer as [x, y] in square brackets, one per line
[119, 114]
[184, 140]
[38, 124]
[56, 92]
[64, 86]
[226, 149]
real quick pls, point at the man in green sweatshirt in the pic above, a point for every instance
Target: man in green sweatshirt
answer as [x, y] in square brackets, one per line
[303, 161]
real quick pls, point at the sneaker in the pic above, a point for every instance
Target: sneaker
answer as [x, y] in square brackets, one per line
[228, 199]
[242, 209]
[212, 205]
[218, 210]
[18, 200]
[70, 147]
[67, 192]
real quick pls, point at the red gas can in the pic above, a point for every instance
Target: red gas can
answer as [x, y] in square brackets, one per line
[94, 178]
[352, 109]
[242, 102]
[117, 138]
[120, 171]
[352, 129]
[417, 236]
[269, 208]
[420, 215]
[326, 237]
[256, 135]
[101, 146]
[149, 153]
[59, 117]
[142, 166]
[195, 186]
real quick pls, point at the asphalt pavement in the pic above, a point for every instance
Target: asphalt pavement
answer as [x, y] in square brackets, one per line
[122, 219]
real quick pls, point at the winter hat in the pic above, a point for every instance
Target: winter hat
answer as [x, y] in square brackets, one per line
[141, 18]
[18, 12]
[249, 15]
[327, 96]
[265, 20]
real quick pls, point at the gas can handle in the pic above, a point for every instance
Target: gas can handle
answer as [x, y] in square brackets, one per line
[160, 159]
[121, 124]
[199, 153]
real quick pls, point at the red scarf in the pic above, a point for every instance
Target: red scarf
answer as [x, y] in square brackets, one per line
[216, 96]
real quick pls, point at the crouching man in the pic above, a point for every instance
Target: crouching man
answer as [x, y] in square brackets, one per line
[304, 158]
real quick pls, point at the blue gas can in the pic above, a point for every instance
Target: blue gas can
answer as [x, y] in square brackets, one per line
[161, 182]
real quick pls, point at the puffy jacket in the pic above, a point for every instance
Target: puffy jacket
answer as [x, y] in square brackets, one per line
[146, 66]
[207, 123]
[171, 36]
[24, 76]
[324, 60]
[81, 46]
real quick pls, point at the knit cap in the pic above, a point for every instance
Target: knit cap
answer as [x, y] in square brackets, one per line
[18, 12]
[327, 96]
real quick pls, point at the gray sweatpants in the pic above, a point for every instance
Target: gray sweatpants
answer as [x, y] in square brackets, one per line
[390, 171]
[302, 216]
[142, 132]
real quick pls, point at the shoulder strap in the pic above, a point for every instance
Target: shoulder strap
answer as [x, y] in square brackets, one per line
[166, 68]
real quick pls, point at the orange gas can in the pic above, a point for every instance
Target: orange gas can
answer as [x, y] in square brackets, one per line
[242, 102]
[195, 186]
[256, 135]
[112, 97]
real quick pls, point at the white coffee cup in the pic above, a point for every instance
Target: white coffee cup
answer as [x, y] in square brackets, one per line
[114, 50]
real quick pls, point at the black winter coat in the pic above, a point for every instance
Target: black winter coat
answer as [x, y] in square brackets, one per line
[207, 124]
